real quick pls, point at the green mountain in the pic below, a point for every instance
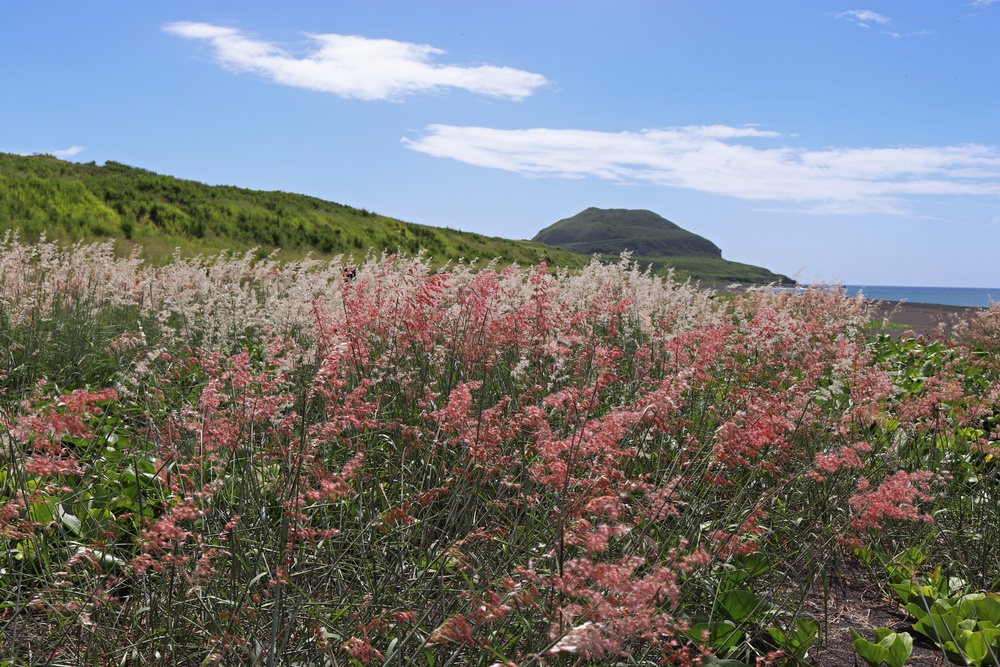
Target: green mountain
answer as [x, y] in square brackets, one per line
[68, 202]
[653, 240]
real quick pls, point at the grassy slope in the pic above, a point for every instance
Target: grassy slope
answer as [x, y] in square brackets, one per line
[69, 202]
[712, 270]
[655, 241]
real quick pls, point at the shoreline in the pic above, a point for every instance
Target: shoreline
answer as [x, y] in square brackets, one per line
[923, 319]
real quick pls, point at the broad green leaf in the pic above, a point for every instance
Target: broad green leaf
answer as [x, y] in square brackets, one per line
[722, 635]
[755, 564]
[988, 609]
[906, 591]
[990, 632]
[733, 578]
[967, 603]
[42, 512]
[101, 515]
[973, 646]
[69, 520]
[956, 583]
[121, 500]
[899, 650]
[943, 605]
[882, 633]
[797, 642]
[873, 654]
[99, 494]
[740, 606]
[937, 627]
[953, 652]
[915, 610]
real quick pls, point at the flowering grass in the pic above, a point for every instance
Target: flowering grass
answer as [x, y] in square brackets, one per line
[244, 462]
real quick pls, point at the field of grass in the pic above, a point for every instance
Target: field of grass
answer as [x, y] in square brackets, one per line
[709, 270]
[247, 462]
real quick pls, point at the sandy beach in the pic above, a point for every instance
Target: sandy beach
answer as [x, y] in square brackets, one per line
[923, 319]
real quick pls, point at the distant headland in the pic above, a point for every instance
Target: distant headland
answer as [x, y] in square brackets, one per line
[652, 240]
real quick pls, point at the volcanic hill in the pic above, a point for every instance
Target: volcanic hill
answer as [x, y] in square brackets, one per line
[653, 240]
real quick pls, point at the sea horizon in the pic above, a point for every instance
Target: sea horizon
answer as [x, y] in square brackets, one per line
[977, 297]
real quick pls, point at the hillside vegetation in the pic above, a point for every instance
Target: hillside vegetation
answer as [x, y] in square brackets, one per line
[70, 202]
[653, 241]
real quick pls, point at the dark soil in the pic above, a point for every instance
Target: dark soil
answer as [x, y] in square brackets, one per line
[856, 601]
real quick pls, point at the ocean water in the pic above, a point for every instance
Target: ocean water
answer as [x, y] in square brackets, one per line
[949, 296]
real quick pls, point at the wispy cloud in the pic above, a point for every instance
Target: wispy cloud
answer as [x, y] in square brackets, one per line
[358, 67]
[729, 161]
[983, 3]
[863, 17]
[67, 152]
[61, 154]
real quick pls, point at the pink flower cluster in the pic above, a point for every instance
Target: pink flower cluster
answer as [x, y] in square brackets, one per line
[519, 451]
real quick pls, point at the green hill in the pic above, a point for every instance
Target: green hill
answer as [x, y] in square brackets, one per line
[653, 240]
[610, 231]
[68, 202]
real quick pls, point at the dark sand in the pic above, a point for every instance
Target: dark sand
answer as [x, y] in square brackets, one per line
[929, 320]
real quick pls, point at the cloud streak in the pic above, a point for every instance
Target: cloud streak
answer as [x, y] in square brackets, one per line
[63, 154]
[357, 67]
[863, 17]
[67, 152]
[730, 161]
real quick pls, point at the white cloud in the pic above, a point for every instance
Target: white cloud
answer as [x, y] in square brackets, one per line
[61, 154]
[357, 67]
[67, 152]
[729, 161]
[863, 17]
[983, 3]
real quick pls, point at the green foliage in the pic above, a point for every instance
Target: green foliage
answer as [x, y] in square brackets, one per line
[713, 271]
[891, 648]
[795, 642]
[120, 493]
[734, 627]
[966, 626]
[942, 376]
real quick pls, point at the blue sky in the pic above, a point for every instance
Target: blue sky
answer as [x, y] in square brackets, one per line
[836, 140]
